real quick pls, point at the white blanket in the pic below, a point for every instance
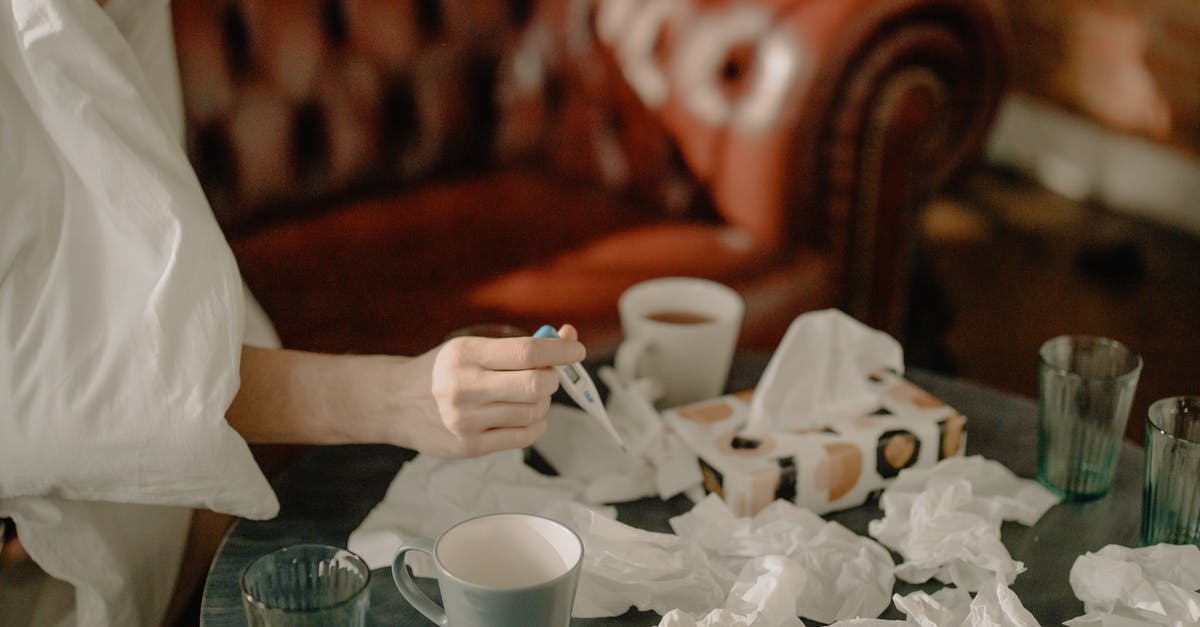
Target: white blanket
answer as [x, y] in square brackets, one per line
[121, 310]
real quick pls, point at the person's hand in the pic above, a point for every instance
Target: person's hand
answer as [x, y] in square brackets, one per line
[467, 397]
[487, 394]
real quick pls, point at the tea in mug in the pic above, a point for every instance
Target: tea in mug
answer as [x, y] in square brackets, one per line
[679, 317]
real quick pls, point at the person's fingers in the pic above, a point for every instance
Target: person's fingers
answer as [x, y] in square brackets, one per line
[523, 353]
[476, 387]
[510, 438]
[497, 416]
[568, 332]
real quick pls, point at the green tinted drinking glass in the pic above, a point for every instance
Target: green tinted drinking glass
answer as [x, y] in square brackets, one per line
[1171, 495]
[306, 585]
[1085, 389]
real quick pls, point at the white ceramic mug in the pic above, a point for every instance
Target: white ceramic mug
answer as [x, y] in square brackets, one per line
[498, 570]
[681, 332]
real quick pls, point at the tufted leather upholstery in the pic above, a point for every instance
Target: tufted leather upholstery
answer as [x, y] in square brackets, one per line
[388, 170]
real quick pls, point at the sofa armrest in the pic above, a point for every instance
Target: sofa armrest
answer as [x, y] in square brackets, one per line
[819, 123]
[911, 106]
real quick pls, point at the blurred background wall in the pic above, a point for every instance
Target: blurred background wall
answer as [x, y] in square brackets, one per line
[1084, 215]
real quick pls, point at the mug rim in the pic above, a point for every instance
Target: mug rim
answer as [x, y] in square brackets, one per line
[366, 582]
[549, 582]
[732, 295]
[1191, 399]
[1132, 372]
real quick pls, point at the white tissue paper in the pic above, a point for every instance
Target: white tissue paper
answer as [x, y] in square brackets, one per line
[844, 575]
[947, 607]
[121, 311]
[429, 495]
[657, 462]
[945, 521]
[784, 563]
[764, 595]
[995, 605]
[819, 372]
[627, 567]
[1142, 587]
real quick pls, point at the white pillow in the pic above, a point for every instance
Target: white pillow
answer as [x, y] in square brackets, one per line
[121, 306]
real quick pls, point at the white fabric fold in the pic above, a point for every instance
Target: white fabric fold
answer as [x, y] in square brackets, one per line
[121, 310]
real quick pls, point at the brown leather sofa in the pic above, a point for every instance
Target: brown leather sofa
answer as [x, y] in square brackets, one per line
[390, 170]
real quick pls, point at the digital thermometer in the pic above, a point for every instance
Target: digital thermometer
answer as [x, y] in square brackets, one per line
[581, 388]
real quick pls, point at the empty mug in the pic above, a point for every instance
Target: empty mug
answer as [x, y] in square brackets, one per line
[498, 570]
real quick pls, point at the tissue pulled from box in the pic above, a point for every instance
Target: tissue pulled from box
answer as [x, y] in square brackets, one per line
[819, 371]
[945, 521]
[1142, 587]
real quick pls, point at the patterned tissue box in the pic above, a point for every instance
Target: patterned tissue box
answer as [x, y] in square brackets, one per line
[837, 466]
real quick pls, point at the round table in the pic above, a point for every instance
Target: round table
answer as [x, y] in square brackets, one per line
[325, 496]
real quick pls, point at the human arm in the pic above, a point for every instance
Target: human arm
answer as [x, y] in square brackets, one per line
[466, 397]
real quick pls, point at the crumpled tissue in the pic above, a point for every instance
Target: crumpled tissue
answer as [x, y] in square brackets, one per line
[429, 495]
[785, 562]
[656, 461]
[627, 567]
[994, 606]
[764, 595]
[819, 373]
[766, 571]
[945, 520]
[1142, 587]
[842, 574]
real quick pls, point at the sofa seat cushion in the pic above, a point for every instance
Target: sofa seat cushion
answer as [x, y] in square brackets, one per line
[397, 273]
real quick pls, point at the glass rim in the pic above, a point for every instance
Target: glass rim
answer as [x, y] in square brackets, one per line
[1155, 411]
[355, 558]
[1134, 371]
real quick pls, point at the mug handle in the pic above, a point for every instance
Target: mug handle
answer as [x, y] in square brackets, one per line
[408, 588]
[629, 356]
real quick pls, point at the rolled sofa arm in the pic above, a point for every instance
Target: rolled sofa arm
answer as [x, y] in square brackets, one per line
[819, 123]
[917, 92]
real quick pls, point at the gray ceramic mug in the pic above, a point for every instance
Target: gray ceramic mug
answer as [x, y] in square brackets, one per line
[498, 570]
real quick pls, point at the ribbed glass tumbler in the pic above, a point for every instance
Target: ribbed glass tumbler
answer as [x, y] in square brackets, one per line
[306, 585]
[1085, 389]
[1171, 496]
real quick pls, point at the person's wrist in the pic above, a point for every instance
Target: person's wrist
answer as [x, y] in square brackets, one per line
[385, 399]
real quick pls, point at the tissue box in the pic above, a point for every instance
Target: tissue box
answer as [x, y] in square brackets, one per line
[834, 467]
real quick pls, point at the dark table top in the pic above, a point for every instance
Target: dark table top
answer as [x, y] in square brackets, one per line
[327, 494]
